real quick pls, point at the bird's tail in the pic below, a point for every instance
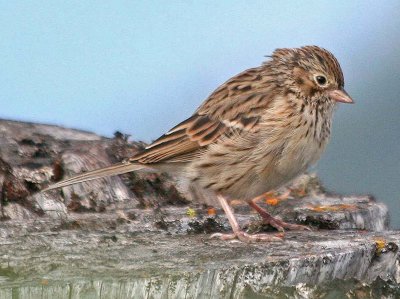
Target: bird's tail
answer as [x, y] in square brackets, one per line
[96, 174]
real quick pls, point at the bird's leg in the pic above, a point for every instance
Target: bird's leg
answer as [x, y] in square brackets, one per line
[237, 232]
[275, 222]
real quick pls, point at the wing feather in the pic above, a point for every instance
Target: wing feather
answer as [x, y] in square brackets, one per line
[236, 105]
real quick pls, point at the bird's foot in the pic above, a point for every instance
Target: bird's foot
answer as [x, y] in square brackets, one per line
[248, 238]
[281, 225]
[275, 222]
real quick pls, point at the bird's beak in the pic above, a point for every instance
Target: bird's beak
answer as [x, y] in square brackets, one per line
[340, 95]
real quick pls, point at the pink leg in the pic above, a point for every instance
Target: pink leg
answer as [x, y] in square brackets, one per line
[274, 222]
[237, 232]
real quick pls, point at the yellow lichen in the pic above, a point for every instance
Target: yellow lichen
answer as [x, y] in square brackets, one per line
[191, 213]
[380, 246]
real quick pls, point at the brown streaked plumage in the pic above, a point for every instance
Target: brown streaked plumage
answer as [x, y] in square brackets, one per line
[254, 133]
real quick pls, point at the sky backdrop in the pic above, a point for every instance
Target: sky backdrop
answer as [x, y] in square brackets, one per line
[142, 66]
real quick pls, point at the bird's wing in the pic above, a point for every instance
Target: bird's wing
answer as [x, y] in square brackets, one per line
[237, 105]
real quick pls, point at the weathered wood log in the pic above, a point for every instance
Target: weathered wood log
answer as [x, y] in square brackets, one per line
[133, 257]
[137, 235]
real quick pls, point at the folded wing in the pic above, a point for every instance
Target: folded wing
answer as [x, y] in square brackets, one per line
[236, 106]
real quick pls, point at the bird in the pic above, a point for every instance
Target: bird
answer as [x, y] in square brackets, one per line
[255, 133]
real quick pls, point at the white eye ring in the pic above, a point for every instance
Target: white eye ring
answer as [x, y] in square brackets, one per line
[321, 80]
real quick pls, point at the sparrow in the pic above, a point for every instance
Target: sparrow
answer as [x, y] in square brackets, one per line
[256, 132]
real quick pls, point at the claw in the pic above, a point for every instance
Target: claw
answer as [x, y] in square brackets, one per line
[237, 232]
[275, 222]
[281, 225]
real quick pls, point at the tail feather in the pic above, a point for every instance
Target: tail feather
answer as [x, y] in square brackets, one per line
[96, 174]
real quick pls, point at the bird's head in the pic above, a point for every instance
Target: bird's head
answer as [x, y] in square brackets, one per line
[311, 72]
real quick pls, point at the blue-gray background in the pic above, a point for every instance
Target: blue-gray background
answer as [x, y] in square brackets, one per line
[142, 66]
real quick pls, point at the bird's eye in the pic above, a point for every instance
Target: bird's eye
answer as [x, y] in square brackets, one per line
[321, 80]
